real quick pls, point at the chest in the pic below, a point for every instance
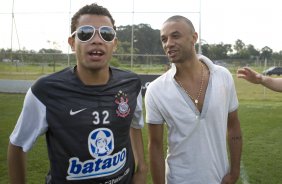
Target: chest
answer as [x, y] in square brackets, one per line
[113, 108]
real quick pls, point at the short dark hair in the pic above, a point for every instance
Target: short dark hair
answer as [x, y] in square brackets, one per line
[177, 18]
[92, 9]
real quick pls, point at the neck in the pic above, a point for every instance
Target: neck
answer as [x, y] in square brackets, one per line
[93, 77]
[190, 69]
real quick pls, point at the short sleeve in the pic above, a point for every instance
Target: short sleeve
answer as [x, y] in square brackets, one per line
[138, 120]
[233, 104]
[153, 115]
[31, 123]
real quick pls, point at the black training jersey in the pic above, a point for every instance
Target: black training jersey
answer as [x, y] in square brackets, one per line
[88, 126]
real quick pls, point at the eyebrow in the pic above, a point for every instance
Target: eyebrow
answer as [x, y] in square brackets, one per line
[173, 33]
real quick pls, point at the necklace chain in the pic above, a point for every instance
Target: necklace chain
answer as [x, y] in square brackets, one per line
[195, 100]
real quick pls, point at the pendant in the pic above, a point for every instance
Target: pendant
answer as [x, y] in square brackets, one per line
[196, 101]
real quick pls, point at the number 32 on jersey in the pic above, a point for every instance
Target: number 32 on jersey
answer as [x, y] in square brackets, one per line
[102, 116]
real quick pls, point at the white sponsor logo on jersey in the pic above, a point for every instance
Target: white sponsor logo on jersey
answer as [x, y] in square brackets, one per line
[100, 146]
[75, 112]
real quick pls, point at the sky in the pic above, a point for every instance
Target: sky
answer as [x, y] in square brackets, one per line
[46, 23]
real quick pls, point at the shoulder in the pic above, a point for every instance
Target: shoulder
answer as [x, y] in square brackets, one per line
[60, 75]
[161, 83]
[125, 78]
[222, 70]
[120, 74]
[215, 69]
[224, 73]
[223, 76]
[46, 83]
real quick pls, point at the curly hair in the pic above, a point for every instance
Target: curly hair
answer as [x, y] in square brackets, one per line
[93, 9]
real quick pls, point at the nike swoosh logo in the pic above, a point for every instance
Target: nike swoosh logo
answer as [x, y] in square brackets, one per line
[75, 112]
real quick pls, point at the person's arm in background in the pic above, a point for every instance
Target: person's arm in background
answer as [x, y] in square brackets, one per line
[140, 176]
[16, 164]
[235, 148]
[156, 154]
[252, 76]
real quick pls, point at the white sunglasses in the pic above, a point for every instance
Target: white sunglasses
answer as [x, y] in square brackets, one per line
[87, 32]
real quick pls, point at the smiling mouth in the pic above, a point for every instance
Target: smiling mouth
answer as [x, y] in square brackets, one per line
[171, 53]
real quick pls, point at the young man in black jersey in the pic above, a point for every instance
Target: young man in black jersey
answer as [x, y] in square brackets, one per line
[91, 114]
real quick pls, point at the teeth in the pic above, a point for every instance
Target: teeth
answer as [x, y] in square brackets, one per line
[96, 52]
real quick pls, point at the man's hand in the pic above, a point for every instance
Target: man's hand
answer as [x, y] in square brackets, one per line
[229, 179]
[250, 75]
[140, 177]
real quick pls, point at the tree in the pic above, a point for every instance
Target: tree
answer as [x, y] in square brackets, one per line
[217, 51]
[241, 51]
[252, 52]
[204, 48]
[239, 46]
[123, 47]
[44, 51]
[146, 40]
[277, 55]
[266, 53]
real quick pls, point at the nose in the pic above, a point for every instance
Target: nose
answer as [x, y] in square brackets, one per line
[169, 43]
[96, 38]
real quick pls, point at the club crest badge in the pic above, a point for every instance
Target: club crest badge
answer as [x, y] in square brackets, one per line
[123, 108]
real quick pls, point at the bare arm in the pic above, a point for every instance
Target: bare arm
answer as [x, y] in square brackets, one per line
[235, 147]
[156, 154]
[16, 164]
[140, 175]
[252, 76]
[274, 84]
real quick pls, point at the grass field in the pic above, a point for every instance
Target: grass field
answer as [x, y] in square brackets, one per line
[260, 113]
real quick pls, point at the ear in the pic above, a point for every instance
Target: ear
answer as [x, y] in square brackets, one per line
[195, 37]
[115, 44]
[71, 41]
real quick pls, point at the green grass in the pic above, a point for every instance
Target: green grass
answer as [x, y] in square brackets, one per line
[262, 127]
[260, 113]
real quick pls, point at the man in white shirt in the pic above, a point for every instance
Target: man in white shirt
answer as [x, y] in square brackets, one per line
[198, 102]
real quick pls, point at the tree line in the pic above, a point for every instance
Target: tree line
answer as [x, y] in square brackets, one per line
[146, 41]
